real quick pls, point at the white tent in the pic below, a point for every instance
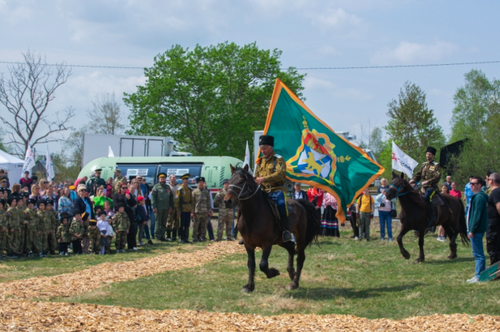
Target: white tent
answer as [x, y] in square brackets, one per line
[13, 166]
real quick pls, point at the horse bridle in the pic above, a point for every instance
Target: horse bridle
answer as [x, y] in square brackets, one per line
[242, 190]
[398, 189]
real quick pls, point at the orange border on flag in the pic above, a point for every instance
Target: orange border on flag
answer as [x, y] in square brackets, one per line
[274, 99]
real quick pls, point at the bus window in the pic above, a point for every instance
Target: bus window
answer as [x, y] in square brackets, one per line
[131, 171]
[180, 169]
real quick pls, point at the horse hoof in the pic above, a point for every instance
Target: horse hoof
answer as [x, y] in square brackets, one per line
[272, 273]
[406, 255]
[452, 257]
[246, 290]
[292, 286]
[419, 260]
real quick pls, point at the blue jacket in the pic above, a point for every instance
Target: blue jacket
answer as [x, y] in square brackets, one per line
[477, 221]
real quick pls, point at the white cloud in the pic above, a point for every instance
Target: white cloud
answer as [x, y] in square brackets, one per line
[338, 18]
[407, 52]
[313, 83]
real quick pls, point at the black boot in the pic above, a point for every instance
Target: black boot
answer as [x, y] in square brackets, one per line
[430, 213]
[169, 235]
[287, 236]
[174, 234]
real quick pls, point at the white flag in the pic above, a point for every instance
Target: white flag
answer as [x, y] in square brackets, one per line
[49, 167]
[29, 160]
[110, 152]
[247, 158]
[402, 162]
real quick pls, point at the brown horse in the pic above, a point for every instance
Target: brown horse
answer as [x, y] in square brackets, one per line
[258, 227]
[414, 216]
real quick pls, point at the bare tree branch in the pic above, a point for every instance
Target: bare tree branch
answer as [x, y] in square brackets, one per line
[26, 96]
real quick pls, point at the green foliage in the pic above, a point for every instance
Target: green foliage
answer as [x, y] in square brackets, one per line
[477, 117]
[412, 124]
[373, 141]
[385, 159]
[210, 99]
[475, 103]
[75, 143]
[3, 146]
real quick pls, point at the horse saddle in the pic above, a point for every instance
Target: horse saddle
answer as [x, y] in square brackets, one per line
[437, 200]
[274, 208]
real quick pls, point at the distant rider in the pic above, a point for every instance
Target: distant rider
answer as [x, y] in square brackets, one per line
[429, 173]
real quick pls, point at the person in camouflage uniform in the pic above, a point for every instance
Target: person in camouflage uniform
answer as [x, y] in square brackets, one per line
[63, 235]
[20, 207]
[52, 216]
[173, 217]
[119, 178]
[270, 174]
[4, 226]
[76, 230]
[184, 207]
[225, 214]
[32, 224]
[430, 174]
[95, 182]
[121, 224]
[162, 200]
[43, 228]
[202, 210]
[13, 240]
[95, 237]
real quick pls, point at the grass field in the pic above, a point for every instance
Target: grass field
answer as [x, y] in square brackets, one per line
[342, 276]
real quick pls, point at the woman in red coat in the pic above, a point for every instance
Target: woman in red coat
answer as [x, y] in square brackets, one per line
[315, 196]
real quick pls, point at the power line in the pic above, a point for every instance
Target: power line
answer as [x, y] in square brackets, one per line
[297, 68]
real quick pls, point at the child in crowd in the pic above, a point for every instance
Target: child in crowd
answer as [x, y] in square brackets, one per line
[121, 224]
[3, 227]
[54, 221]
[103, 226]
[63, 235]
[94, 237]
[13, 238]
[43, 229]
[108, 210]
[110, 235]
[32, 243]
[76, 231]
[142, 216]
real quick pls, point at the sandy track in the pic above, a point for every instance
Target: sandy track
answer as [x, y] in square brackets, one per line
[71, 284]
[49, 316]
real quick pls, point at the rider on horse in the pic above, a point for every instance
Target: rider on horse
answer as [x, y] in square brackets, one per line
[270, 174]
[429, 174]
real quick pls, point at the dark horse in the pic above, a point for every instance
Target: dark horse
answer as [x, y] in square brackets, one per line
[257, 225]
[414, 216]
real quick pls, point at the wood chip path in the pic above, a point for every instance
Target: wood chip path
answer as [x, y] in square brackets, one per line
[49, 316]
[71, 284]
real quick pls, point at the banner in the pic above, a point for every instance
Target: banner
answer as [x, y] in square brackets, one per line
[314, 154]
[247, 158]
[49, 167]
[402, 162]
[29, 160]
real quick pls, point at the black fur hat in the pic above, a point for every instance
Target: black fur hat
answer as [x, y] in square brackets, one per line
[266, 140]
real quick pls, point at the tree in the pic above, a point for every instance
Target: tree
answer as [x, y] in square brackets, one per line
[412, 124]
[26, 96]
[106, 116]
[475, 103]
[75, 143]
[372, 140]
[476, 116]
[210, 99]
[3, 146]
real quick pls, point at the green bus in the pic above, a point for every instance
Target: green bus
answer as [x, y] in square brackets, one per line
[213, 169]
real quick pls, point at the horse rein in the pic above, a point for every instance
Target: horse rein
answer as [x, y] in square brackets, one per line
[242, 190]
[398, 189]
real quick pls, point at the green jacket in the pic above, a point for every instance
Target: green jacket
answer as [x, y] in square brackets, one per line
[44, 221]
[273, 170]
[162, 197]
[478, 216]
[94, 234]
[63, 233]
[121, 222]
[76, 228]
[32, 219]
[4, 220]
[14, 220]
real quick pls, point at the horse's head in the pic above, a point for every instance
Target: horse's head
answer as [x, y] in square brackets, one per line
[396, 186]
[241, 186]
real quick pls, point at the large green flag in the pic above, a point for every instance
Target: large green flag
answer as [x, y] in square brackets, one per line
[314, 154]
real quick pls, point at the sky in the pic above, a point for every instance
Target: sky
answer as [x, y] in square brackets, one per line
[311, 34]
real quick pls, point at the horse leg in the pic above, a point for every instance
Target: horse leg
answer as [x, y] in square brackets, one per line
[264, 265]
[421, 255]
[402, 249]
[251, 270]
[290, 247]
[301, 257]
[453, 244]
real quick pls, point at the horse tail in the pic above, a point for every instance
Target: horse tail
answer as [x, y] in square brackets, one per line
[462, 225]
[313, 221]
